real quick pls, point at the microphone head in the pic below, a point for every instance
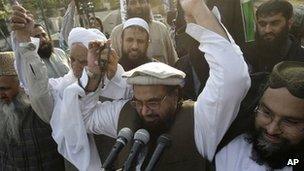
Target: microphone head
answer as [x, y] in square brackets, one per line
[125, 133]
[165, 139]
[142, 135]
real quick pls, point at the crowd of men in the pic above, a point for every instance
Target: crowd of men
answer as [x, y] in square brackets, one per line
[224, 104]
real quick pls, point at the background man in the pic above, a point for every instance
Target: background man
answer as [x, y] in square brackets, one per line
[135, 42]
[160, 45]
[25, 140]
[273, 41]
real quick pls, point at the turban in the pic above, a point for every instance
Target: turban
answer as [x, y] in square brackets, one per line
[7, 64]
[84, 36]
[155, 73]
[136, 22]
[289, 74]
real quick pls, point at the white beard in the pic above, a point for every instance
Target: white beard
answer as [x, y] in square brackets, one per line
[10, 118]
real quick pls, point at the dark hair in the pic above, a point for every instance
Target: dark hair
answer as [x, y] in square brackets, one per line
[274, 7]
[99, 21]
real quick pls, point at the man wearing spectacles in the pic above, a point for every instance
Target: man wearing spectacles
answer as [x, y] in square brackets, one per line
[195, 127]
[276, 131]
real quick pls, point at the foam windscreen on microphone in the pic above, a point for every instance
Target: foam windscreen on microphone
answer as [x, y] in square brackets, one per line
[142, 135]
[126, 133]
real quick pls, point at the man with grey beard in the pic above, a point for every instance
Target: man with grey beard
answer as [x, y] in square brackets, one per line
[25, 140]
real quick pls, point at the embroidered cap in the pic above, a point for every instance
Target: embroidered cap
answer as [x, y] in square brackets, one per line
[7, 64]
[155, 73]
[289, 74]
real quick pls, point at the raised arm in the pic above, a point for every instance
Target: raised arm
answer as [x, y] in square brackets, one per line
[33, 70]
[68, 22]
[219, 102]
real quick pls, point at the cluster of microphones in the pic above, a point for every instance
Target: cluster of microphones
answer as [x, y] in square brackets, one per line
[140, 139]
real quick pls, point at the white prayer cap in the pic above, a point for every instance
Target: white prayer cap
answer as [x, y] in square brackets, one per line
[136, 22]
[155, 73]
[84, 36]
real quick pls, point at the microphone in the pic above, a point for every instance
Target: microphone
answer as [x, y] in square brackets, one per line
[163, 142]
[141, 138]
[124, 136]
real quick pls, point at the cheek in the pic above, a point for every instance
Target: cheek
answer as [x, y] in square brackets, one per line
[294, 138]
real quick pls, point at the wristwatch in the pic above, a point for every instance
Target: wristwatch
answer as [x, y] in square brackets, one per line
[28, 45]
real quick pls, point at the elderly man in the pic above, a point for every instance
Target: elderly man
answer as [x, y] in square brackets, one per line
[197, 127]
[46, 94]
[25, 140]
[160, 44]
[135, 42]
[273, 42]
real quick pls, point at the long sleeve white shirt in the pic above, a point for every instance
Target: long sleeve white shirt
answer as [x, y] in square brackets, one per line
[215, 109]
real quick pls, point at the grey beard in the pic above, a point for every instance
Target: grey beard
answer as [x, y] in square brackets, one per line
[11, 116]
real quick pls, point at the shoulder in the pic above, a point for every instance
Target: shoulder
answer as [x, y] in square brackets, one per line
[59, 51]
[158, 24]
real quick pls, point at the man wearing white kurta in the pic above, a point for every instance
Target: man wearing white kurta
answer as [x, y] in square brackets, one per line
[156, 99]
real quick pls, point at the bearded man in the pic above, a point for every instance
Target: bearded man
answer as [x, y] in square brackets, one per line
[273, 41]
[25, 140]
[160, 44]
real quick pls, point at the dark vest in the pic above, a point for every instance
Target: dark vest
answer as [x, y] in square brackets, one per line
[37, 151]
[182, 154]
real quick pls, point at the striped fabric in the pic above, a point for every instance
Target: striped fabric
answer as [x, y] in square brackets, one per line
[36, 151]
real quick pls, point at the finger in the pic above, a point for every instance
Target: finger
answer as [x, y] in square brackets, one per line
[19, 13]
[18, 8]
[17, 19]
[17, 26]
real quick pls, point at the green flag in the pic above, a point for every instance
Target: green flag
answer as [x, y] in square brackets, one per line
[248, 19]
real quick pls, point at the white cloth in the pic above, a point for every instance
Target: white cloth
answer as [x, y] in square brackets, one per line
[236, 156]
[155, 73]
[46, 99]
[214, 111]
[84, 36]
[136, 22]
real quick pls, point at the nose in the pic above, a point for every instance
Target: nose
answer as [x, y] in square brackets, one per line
[134, 45]
[273, 128]
[145, 110]
[268, 28]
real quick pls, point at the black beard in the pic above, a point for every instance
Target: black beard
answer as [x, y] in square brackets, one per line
[273, 48]
[46, 50]
[129, 64]
[275, 156]
[145, 14]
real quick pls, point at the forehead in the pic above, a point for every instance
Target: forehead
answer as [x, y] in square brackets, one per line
[78, 51]
[135, 32]
[7, 81]
[271, 17]
[146, 92]
[282, 103]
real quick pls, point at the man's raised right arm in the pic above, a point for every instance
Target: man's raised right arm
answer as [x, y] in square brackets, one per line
[33, 68]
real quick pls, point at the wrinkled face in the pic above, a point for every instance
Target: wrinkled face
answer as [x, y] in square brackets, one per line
[135, 7]
[78, 56]
[154, 104]
[135, 42]
[271, 26]
[9, 88]
[286, 128]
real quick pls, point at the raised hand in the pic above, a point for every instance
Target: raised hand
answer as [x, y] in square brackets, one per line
[22, 23]
[97, 51]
